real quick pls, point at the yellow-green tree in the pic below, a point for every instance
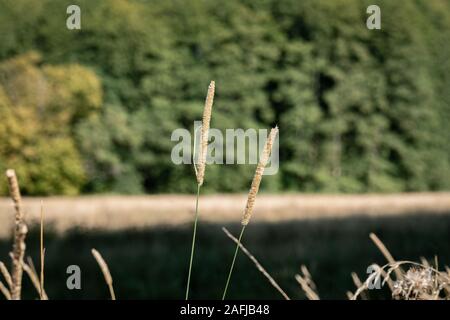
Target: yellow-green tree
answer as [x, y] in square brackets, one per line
[39, 105]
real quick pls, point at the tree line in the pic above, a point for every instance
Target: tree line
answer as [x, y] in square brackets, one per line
[92, 110]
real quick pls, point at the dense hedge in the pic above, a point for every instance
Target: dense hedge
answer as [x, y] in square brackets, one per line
[92, 110]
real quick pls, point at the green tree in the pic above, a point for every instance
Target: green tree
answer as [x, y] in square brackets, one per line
[39, 105]
[359, 110]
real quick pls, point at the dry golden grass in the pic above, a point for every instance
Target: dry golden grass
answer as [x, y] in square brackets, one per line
[5, 291]
[204, 133]
[421, 281]
[6, 275]
[20, 232]
[307, 284]
[14, 279]
[122, 212]
[30, 270]
[380, 245]
[42, 255]
[106, 273]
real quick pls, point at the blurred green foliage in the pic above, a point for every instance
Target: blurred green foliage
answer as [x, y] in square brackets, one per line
[359, 110]
[40, 107]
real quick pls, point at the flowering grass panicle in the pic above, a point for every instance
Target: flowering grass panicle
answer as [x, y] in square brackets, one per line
[258, 176]
[205, 132]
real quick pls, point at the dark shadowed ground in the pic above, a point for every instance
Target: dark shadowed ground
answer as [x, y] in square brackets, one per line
[153, 263]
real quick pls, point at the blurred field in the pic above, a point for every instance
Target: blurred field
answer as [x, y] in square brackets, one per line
[146, 242]
[123, 212]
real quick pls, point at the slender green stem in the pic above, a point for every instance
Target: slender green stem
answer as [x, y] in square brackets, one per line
[232, 263]
[193, 242]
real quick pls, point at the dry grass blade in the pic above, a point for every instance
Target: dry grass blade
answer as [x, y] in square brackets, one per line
[308, 277]
[32, 274]
[205, 132]
[20, 232]
[258, 265]
[447, 273]
[105, 270]
[304, 283]
[424, 262]
[5, 291]
[420, 283]
[390, 259]
[349, 295]
[359, 284]
[387, 279]
[365, 285]
[6, 274]
[379, 273]
[15, 194]
[307, 284]
[42, 253]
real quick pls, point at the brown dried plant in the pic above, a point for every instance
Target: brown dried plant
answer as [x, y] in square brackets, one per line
[20, 232]
[205, 132]
[106, 273]
[30, 270]
[420, 282]
[307, 284]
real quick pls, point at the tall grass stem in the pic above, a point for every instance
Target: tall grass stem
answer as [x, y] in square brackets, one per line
[257, 264]
[42, 252]
[194, 234]
[232, 263]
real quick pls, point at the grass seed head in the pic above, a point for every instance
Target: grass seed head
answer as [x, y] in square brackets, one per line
[258, 176]
[204, 133]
